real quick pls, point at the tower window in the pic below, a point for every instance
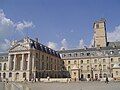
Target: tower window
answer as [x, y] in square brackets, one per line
[97, 25]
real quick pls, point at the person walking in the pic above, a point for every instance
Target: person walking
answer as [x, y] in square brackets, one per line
[106, 81]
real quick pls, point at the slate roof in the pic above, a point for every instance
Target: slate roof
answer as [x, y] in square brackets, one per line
[38, 46]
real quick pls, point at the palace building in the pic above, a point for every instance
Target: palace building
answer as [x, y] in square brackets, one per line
[96, 63]
[28, 59]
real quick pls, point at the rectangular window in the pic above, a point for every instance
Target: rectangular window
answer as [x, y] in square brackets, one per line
[95, 67]
[111, 59]
[118, 59]
[95, 61]
[104, 67]
[87, 61]
[116, 72]
[104, 61]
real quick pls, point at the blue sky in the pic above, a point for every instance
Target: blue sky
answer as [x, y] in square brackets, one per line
[58, 23]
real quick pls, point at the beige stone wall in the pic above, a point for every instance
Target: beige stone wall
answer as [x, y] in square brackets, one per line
[29, 62]
[98, 65]
[116, 73]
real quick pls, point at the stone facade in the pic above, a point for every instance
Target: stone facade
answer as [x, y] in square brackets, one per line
[27, 59]
[100, 37]
[94, 63]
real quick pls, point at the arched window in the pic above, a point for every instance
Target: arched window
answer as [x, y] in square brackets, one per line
[0, 66]
[69, 68]
[4, 68]
[105, 75]
[68, 62]
[24, 75]
[75, 62]
[81, 61]
[88, 68]
[88, 76]
[4, 75]
[10, 74]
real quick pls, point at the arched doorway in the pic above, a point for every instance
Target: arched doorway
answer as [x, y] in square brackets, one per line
[96, 76]
[82, 76]
[4, 75]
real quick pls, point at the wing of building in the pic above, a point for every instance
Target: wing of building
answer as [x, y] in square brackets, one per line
[94, 63]
[28, 59]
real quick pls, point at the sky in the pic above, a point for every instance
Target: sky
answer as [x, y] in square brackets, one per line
[57, 23]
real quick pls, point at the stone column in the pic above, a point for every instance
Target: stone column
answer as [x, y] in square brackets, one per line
[29, 61]
[9, 62]
[22, 62]
[33, 63]
[15, 62]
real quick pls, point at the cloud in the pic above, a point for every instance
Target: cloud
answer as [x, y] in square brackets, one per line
[4, 45]
[10, 29]
[23, 25]
[114, 35]
[64, 44]
[3, 20]
[52, 45]
[81, 44]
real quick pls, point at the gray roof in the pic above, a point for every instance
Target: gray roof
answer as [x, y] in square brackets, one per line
[108, 51]
[113, 44]
[38, 46]
[3, 54]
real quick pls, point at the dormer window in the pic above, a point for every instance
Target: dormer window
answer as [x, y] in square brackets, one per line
[63, 55]
[81, 54]
[119, 51]
[88, 54]
[111, 52]
[75, 54]
[69, 54]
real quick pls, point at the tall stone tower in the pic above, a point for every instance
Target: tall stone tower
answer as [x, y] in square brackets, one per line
[100, 37]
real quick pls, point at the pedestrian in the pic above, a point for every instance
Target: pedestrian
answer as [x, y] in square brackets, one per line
[106, 81]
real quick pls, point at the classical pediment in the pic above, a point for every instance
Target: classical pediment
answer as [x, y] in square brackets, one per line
[18, 48]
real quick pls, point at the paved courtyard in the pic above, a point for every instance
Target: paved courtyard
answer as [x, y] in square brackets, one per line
[75, 86]
[66, 86]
